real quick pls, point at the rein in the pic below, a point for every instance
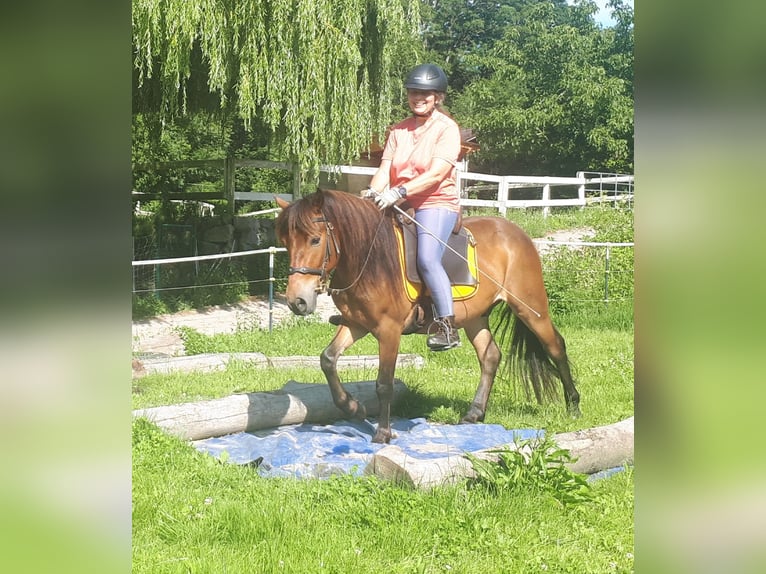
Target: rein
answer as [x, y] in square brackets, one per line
[367, 259]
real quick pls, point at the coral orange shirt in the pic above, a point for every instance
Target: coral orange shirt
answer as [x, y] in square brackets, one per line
[411, 148]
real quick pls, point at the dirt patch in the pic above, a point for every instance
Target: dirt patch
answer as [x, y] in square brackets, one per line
[159, 336]
[564, 236]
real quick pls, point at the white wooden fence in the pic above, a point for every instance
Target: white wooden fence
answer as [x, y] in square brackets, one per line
[577, 191]
[585, 188]
[501, 192]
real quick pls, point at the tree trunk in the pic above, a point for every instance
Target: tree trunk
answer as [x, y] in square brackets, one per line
[595, 449]
[294, 403]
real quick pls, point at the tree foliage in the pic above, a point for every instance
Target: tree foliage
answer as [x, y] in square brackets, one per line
[547, 90]
[460, 33]
[319, 75]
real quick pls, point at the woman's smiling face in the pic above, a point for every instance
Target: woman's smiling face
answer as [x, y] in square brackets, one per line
[422, 102]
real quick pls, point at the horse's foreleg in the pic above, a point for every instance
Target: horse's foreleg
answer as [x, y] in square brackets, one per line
[345, 336]
[384, 386]
[489, 356]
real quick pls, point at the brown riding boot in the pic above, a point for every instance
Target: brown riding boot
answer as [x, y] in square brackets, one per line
[446, 335]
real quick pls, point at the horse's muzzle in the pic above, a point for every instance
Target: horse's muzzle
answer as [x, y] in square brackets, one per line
[301, 296]
[301, 307]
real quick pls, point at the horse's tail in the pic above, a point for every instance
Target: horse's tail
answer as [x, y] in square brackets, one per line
[525, 358]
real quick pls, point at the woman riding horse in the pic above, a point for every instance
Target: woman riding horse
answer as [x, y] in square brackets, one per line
[418, 167]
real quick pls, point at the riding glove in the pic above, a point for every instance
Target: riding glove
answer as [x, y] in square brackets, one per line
[389, 197]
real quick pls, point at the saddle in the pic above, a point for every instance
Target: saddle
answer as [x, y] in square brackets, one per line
[461, 264]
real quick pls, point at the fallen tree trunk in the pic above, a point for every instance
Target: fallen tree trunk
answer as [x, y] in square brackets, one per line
[294, 403]
[207, 362]
[595, 449]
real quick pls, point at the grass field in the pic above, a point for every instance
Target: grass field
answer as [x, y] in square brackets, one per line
[192, 513]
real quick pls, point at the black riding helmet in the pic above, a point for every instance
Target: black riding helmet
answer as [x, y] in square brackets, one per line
[427, 77]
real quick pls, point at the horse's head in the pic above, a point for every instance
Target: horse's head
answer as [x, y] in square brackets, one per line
[312, 247]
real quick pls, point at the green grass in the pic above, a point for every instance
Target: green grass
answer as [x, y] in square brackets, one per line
[194, 514]
[532, 221]
[602, 360]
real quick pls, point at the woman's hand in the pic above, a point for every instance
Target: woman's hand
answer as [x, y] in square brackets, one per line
[388, 197]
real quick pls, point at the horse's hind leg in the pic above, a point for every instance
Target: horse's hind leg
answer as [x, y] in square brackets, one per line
[555, 347]
[561, 359]
[345, 336]
[489, 356]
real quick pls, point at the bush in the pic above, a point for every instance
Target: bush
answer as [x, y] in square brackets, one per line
[594, 281]
[146, 305]
[219, 283]
[537, 466]
[188, 285]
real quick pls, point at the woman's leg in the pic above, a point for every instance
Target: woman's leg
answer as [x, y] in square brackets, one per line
[433, 232]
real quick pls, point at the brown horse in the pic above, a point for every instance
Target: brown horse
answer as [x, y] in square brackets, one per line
[342, 236]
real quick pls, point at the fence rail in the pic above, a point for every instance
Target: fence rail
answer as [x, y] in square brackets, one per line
[144, 262]
[583, 189]
[589, 187]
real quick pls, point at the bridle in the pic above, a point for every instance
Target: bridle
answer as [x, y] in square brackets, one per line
[322, 272]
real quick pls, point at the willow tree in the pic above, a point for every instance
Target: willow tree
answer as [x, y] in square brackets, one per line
[320, 75]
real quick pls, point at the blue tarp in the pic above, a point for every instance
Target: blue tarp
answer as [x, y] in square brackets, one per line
[345, 447]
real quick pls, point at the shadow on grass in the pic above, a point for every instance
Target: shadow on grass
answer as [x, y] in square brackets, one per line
[449, 410]
[419, 404]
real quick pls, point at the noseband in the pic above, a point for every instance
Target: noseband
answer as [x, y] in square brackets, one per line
[322, 272]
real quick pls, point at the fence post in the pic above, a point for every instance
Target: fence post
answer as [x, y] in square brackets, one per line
[228, 184]
[581, 189]
[296, 182]
[272, 250]
[546, 198]
[502, 196]
[606, 276]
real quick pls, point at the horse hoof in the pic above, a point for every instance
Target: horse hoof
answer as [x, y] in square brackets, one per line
[473, 416]
[574, 411]
[382, 436]
[355, 410]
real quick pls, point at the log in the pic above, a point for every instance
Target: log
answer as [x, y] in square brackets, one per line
[294, 403]
[207, 362]
[595, 449]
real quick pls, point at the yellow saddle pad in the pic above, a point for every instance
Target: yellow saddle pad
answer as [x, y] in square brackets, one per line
[462, 269]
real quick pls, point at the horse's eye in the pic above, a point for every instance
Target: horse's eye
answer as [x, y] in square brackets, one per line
[315, 241]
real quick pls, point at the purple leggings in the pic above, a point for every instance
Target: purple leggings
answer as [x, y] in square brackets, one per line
[439, 222]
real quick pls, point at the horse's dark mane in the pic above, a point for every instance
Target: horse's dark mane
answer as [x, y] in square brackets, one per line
[360, 229]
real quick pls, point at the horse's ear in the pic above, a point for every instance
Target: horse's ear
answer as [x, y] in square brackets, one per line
[281, 202]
